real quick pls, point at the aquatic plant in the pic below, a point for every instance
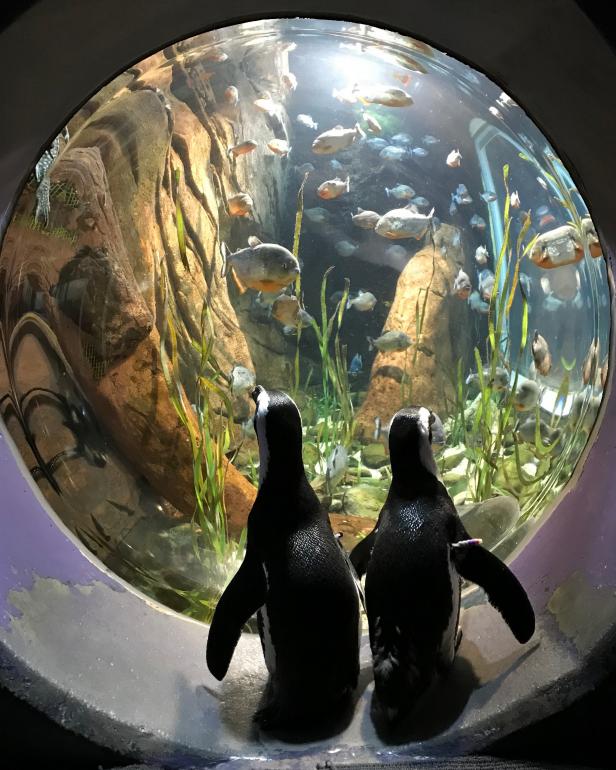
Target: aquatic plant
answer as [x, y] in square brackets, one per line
[209, 435]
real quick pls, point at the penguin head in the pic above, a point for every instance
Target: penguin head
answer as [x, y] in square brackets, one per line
[278, 426]
[410, 440]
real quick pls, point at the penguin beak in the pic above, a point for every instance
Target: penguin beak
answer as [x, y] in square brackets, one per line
[256, 392]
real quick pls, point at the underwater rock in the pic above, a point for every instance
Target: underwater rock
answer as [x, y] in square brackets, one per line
[457, 473]
[451, 456]
[426, 367]
[95, 292]
[374, 455]
[364, 500]
[352, 527]
[491, 519]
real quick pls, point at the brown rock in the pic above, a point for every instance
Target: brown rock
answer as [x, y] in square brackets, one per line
[429, 364]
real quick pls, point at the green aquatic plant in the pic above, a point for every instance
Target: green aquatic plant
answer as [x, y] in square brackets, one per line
[207, 425]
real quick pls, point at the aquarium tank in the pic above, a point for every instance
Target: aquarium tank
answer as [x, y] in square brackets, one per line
[322, 207]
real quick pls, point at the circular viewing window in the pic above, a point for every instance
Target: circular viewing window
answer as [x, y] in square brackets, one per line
[444, 258]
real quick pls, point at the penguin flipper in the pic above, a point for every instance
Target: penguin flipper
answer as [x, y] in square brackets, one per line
[504, 590]
[360, 555]
[240, 600]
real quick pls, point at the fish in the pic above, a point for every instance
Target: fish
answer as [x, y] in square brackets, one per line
[243, 148]
[486, 284]
[231, 96]
[336, 165]
[356, 365]
[396, 252]
[346, 248]
[419, 152]
[402, 138]
[526, 396]
[420, 201]
[558, 247]
[402, 77]
[306, 121]
[266, 267]
[481, 255]
[373, 123]
[400, 191]
[488, 196]
[514, 200]
[380, 430]
[240, 204]
[335, 297]
[388, 96]
[289, 80]
[454, 159]
[563, 283]
[496, 112]
[390, 341]
[336, 139]
[527, 430]
[333, 188]
[392, 152]
[590, 367]
[268, 106]
[542, 357]
[279, 147]
[364, 301]
[344, 95]
[589, 233]
[477, 222]
[365, 219]
[305, 168]
[505, 100]
[527, 284]
[429, 139]
[498, 383]
[541, 211]
[542, 183]
[376, 144]
[317, 215]
[462, 286]
[241, 380]
[285, 309]
[453, 208]
[404, 223]
[337, 466]
[477, 304]
[546, 220]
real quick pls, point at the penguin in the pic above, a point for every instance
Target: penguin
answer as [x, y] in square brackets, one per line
[295, 577]
[414, 560]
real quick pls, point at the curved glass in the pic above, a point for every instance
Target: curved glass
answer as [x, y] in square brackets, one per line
[436, 252]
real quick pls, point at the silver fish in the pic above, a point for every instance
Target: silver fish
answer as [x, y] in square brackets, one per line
[390, 341]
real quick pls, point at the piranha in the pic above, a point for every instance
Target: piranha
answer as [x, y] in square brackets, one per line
[346, 248]
[390, 341]
[317, 215]
[266, 267]
[388, 96]
[481, 255]
[364, 301]
[400, 191]
[337, 466]
[393, 152]
[372, 123]
[365, 219]
[453, 159]
[404, 223]
[429, 139]
[287, 310]
[307, 121]
[333, 188]
[279, 147]
[240, 205]
[558, 247]
[488, 196]
[289, 81]
[420, 201]
[477, 304]
[542, 357]
[356, 365]
[526, 396]
[419, 152]
[498, 383]
[336, 139]
[462, 286]
[486, 284]
[243, 148]
[267, 105]
[402, 139]
[242, 380]
[231, 96]
[514, 200]
[477, 222]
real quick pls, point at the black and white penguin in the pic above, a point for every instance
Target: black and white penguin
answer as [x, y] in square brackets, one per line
[414, 560]
[295, 577]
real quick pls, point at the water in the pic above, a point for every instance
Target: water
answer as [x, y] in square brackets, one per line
[128, 343]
